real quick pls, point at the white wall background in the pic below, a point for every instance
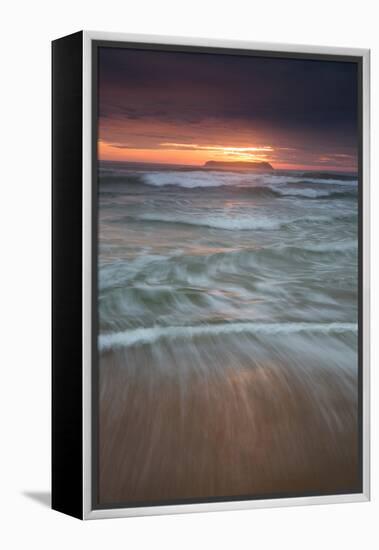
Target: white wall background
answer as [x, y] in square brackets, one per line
[26, 30]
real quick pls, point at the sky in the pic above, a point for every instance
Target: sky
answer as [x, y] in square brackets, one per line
[188, 108]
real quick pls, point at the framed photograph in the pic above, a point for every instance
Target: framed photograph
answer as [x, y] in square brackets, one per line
[210, 275]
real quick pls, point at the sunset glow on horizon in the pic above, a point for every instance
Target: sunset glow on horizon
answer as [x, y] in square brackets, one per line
[193, 155]
[185, 153]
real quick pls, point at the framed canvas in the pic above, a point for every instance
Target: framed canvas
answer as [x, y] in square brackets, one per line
[210, 275]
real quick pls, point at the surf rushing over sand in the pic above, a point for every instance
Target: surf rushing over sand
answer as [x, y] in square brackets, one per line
[227, 333]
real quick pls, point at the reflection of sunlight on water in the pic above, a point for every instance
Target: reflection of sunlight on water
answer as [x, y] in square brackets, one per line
[219, 292]
[238, 204]
[205, 250]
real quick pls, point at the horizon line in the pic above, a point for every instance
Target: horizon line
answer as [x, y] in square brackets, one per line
[198, 166]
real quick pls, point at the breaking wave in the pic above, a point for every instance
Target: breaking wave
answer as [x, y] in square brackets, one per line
[229, 224]
[247, 223]
[260, 182]
[141, 336]
[312, 193]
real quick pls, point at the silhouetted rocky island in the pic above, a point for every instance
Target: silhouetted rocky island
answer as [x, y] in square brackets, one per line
[237, 165]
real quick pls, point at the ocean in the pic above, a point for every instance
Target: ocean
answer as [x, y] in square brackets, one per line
[227, 306]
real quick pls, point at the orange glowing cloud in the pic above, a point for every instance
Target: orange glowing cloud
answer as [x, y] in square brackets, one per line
[194, 154]
[182, 153]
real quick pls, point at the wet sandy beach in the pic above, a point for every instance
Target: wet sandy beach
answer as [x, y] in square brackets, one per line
[175, 432]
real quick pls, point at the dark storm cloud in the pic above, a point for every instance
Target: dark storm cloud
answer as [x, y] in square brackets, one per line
[190, 88]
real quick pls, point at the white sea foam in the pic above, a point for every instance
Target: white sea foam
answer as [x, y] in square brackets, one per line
[242, 223]
[331, 247]
[337, 246]
[190, 180]
[201, 178]
[230, 224]
[300, 192]
[116, 340]
[309, 192]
